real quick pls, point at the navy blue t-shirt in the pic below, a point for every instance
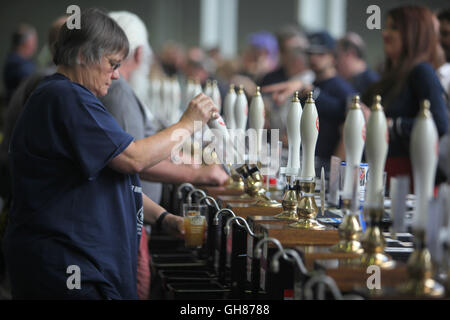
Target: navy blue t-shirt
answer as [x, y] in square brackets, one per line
[362, 81]
[69, 208]
[279, 75]
[421, 83]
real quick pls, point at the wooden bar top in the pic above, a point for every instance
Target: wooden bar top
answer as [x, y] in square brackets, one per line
[312, 253]
[254, 222]
[235, 198]
[270, 219]
[349, 276]
[215, 191]
[291, 237]
[245, 211]
[242, 198]
[227, 200]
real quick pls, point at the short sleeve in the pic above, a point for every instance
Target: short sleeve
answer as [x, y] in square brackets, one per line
[95, 136]
[122, 105]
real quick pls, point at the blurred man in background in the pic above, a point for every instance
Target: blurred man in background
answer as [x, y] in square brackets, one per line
[15, 107]
[293, 64]
[14, 110]
[260, 56]
[196, 66]
[18, 64]
[293, 61]
[442, 25]
[172, 58]
[331, 94]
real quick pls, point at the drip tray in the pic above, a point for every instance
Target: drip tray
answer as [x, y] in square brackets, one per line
[171, 276]
[170, 250]
[184, 260]
[197, 291]
[173, 256]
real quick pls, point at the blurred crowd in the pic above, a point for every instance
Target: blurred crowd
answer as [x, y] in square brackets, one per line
[281, 63]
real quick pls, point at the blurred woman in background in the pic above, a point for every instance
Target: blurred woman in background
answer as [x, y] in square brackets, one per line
[410, 46]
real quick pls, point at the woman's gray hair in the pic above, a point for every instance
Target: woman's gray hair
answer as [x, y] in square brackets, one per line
[97, 36]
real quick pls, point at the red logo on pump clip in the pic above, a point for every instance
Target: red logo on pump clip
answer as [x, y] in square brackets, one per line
[317, 123]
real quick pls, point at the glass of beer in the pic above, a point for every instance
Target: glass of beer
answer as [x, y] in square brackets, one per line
[194, 225]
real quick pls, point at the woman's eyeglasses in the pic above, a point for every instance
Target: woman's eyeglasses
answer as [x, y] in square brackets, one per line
[114, 65]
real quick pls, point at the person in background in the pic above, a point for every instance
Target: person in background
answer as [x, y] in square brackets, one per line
[77, 198]
[214, 59]
[196, 67]
[410, 47]
[296, 67]
[15, 107]
[172, 58]
[12, 113]
[293, 62]
[292, 44]
[331, 94]
[442, 28]
[259, 57]
[18, 64]
[442, 25]
[351, 62]
[45, 56]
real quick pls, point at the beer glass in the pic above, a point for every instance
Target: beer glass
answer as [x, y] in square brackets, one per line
[194, 225]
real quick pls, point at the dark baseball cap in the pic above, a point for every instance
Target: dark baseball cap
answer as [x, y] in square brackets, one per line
[321, 42]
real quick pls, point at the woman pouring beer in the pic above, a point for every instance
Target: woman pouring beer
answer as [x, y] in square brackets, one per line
[77, 201]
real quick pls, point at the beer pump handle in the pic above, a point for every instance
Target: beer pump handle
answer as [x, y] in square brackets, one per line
[241, 109]
[256, 120]
[377, 141]
[230, 100]
[293, 128]
[309, 128]
[354, 137]
[424, 146]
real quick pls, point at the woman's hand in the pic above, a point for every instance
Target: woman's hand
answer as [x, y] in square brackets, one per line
[201, 108]
[174, 225]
